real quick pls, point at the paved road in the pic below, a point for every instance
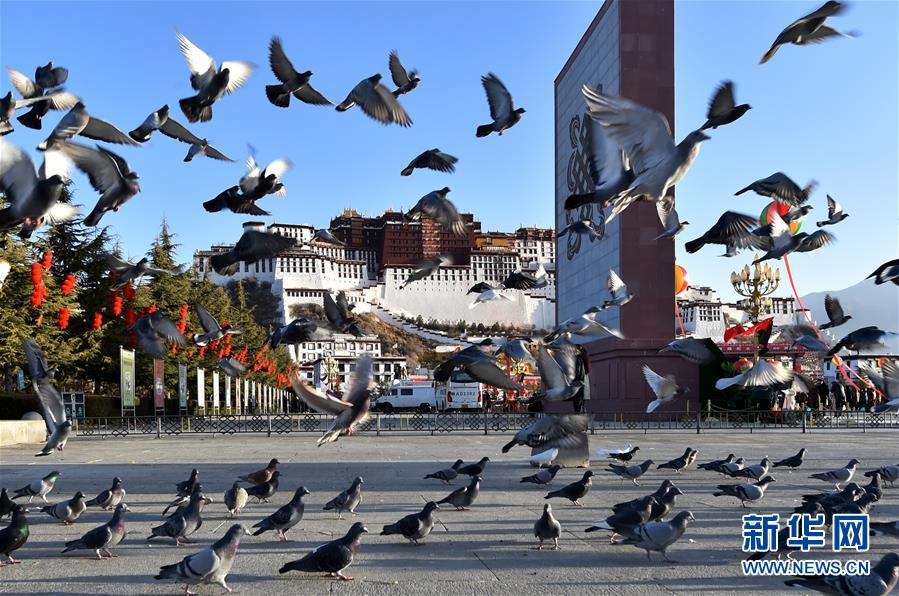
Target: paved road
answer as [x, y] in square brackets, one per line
[487, 550]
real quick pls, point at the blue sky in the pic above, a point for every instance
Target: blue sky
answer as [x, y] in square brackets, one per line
[826, 112]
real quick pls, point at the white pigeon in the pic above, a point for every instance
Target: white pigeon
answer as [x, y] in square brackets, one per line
[544, 458]
[254, 176]
[616, 451]
[665, 388]
[762, 374]
[490, 295]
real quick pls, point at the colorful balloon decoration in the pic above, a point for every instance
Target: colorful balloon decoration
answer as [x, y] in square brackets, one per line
[781, 209]
[680, 280]
[743, 364]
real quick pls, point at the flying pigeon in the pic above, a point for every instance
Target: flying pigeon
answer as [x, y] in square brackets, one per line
[732, 230]
[665, 388]
[231, 366]
[808, 29]
[209, 566]
[581, 227]
[326, 235]
[296, 332]
[548, 528]
[265, 490]
[447, 475]
[552, 431]
[671, 223]
[575, 491]
[347, 500]
[213, 331]
[866, 338]
[762, 374]
[555, 385]
[888, 384]
[680, 463]
[58, 99]
[9, 105]
[436, 206]
[183, 523]
[292, 82]
[58, 427]
[425, 268]
[630, 472]
[210, 81]
[835, 213]
[432, 159]
[781, 241]
[332, 557]
[544, 476]
[236, 499]
[263, 475]
[502, 110]
[162, 121]
[109, 498]
[889, 271]
[33, 196]
[416, 526]
[722, 108]
[793, 461]
[480, 288]
[68, 511]
[359, 396]
[658, 536]
[257, 183]
[376, 101]
[489, 296]
[126, 271]
[462, 498]
[834, 313]
[253, 246]
[609, 170]
[78, 122]
[516, 349]
[618, 291]
[404, 81]
[152, 330]
[881, 580]
[781, 188]
[285, 517]
[104, 537]
[838, 476]
[109, 174]
[338, 314]
[38, 488]
[14, 536]
[522, 280]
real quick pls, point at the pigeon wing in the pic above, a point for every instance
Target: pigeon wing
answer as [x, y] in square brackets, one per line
[319, 402]
[239, 73]
[397, 72]
[101, 130]
[281, 66]
[722, 102]
[201, 65]
[25, 86]
[172, 128]
[833, 308]
[206, 320]
[308, 94]
[102, 171]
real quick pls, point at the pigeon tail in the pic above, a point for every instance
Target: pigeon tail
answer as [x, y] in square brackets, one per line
[5, 127]
[484, 130]
[694, 245]
[194, 111]
[407, 171]
[94, 216]
[31, 119]
[278, 95]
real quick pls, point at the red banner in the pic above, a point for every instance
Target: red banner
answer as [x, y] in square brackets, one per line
[158, 386]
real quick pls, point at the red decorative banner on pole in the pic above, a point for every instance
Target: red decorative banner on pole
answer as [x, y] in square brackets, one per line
[158, 385]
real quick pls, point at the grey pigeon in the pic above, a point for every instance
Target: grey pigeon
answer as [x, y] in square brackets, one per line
[234, 200]
[432, 159]
[14, 536]
[811, 343]
[722, 108]
[153, 330]
[104, 537]
[292, 82]
[658, 536]
[58, 427]
[609, 170]
[866, 338]
[286, 516]
[663, 505]
[185, 522]
[376, 101]
[162, 121]
[78, 122]
[714, 465]
[732, 230]
[763, 374]
[516, 349]
[809, 29]
[746, 492]
[359, 398]
[347, 500]
[265, 490]
[28, 89]
[575, 491]
[522, 280]
[618, 292]
[33, 196]
[126, 271]
[780, 187]
[209, 566]
[834, 312]
[332, 557]
[447, 475]
[630, 472]
[478, 363]
[69, 511]
[338, 314]
[621, 454]
[680, 463]
[502, 110]
[729, 468]
[835, 213]
[548, 528]
[109, 498]
[885, 528]
[236, 499]
[883, 577]
[416, 526]
[581, 227]
[257, 183]
[212, 330]
[671, 223]
[888, 473]
[557, 386]
[462, 498]
[109, 174]
[201, 148]
[553, 431]
[9, 105]
[887, 272]
[49, 76]
[6, 504]
[755, 472]
[838, 476]
[475, 469]
[640, 501]
[425, 268]
[326, 235]
[436, 206]
[624, 520]
[38, 488]
[781, 241]
[404, 81]
[544, 476]
[665, 388]
[186, 487]
[263, 475]
[253, 246]
[645, 138]
[793, 461]
[210, 81]
[231, 366]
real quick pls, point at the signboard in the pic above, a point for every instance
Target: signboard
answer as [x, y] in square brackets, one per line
[158, 384]
[182, 386]
[215, 390]
[74, 405]
[126, 382]
[228, 392]
[246, 395]
[201, 389]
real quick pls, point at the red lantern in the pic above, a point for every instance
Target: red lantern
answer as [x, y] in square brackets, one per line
[174, 349]
[37, 273]
[116, 305]
[152, 309]
[130, 318]
[202, 351]
[68, 285]
[98, 321]
[680, 280]
[48, 260]
[63, 320]
[128, 291]
[743, 364]
[183, 311]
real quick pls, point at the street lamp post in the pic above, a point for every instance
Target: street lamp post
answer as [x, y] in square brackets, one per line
[755, 285]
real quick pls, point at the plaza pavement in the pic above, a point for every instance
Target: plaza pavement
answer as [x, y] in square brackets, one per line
[488, 550]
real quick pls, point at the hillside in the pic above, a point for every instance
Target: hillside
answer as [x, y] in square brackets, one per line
[869, 304]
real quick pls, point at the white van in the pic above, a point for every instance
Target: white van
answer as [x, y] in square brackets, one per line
[462, 392]
[408, 395]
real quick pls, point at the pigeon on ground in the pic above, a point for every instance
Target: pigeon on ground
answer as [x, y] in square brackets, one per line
[14, 536]
[432, 159]
[663, 505]
[447, 475]
[6, 504]
[630, 472]
[809, 29]
[109, 498]
[152, 330]
[874, 488]
[624, 520]
[680, 463]
[186, 487]
[376, 101]
[78, 122]
[544, 476]
[425, 268]
[404, 81]
[286, 517]
[479, 365]
[888, 473]
[416, 526]
[641, 501]
[347, 500]
[625, 453]
[502, 110]
[127, 272]
[462, 498]
[263, 475]
[783, 535]
[58, 427]
[9, 105]
[257, 183]
[762, 374]
[264, 491]
[835, 213]
[104, 537]
[645, 138]
[58, 99]
[575, 491]
[184, 523]
[698, 351]
[665, 388]
[33, 195]
[746, 492]
[38, 488]
[715, 465]
[728, 469]
[882, 579]
[755, 472]
[253, 246]
[581, 227]
[887, 272]
[548, 528]
[553, 431]
[475, 469]
[436, 206]
[332, 557]
[359, 397]
[236, 499]
[108, 173]
[210, 81]
[339, 316]
[722, 108]
[209, 566]
[292, 82]
[658, 536]
[781, 188]
[732, 230]
[671, 223]
[793, 461]
[885, 528]
[213, 331]
[828, 501]
[866, 338]
[838, 476]
[69, 511]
